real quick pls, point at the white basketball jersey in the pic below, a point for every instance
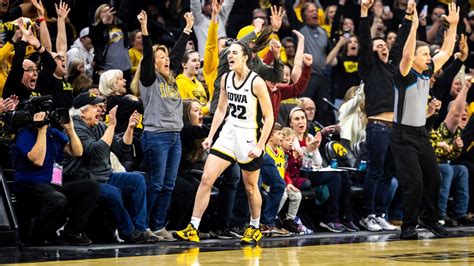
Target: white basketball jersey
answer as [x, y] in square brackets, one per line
[244, 108]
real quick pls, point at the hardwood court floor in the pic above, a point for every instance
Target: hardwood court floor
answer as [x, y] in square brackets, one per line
[322, 248]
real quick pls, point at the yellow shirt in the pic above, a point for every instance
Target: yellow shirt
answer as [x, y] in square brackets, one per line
[5, 63]
[135, 57]
[192, 89]
[211, 58]
[279, 158]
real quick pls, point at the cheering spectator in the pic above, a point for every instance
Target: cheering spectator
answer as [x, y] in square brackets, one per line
[98, 140]
[110, 39]
[202, 15]
[163, 121]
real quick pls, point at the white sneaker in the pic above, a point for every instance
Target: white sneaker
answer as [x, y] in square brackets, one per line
[370, 223]
[384, 224]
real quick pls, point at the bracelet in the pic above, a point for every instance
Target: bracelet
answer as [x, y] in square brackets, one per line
[187, 31]
[39, 48]
[410, 14]
[40, 19]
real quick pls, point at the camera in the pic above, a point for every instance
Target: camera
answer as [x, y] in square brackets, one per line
[14, 120]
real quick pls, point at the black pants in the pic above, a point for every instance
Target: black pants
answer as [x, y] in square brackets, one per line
[417, 172]
[53, 204]
[339, 185]
[182, 202]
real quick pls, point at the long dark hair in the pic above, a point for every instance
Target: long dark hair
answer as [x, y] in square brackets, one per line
[196, 152]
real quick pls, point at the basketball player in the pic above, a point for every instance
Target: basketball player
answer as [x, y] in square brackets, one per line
[242, 139]
[415, 161]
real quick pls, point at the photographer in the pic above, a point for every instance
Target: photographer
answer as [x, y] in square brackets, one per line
[39, 187]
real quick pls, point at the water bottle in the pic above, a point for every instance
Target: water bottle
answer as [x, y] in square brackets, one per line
[334, 163]
[362, 166]
[307, 162]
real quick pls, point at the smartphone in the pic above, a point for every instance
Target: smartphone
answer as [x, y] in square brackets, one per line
[424, 11]
[386, 9]
[346, 35]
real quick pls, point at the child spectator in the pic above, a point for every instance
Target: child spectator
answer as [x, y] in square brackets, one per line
[273, 171]
[291, 193]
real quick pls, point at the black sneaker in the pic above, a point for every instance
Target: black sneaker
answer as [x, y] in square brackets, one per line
[291, 226]
[74, 239]
[435, 228]
[136, 237]
[221, 234]
[409, 233]
[237, 232]
[465, 221]
[448, 222]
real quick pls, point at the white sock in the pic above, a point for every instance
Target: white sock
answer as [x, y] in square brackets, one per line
[255, 222]
[195, 221]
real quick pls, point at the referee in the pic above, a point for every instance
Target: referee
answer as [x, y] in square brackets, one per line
[416, 167]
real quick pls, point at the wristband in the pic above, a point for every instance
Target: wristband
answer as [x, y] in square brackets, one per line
[39, 48]
[187, 31]
[410, 14]
[40, 19]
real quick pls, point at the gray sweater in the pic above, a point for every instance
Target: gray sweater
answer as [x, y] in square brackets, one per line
[161, 100]
[95, 160]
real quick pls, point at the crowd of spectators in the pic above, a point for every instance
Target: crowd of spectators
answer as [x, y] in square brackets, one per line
[142, 82]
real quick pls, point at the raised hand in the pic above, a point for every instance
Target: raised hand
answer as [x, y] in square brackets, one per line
[276, 17]
[62, 10]
[307, 59]
[27, 34]
[188, 16]
[216, 8]
[298, 35]
[258, 24]
[411, 7]
[463, 48]
[366, 4]
[107, 15]
[453, 16]
[39, 7]
[275, 47]
[142, 17]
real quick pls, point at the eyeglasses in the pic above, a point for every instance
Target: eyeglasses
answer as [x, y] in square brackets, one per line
[31, 70]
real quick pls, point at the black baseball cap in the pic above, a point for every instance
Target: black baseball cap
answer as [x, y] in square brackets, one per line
[86, 98]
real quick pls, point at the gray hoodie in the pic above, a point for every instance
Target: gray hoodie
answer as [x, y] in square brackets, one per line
[95, 160]
[78, 51]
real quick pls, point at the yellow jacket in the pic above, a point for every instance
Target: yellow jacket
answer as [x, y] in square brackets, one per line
[135, 57]
[192, 89]
[211, 58]
[5, 63]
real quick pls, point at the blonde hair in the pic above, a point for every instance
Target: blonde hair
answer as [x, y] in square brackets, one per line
[288, 132]
[97, 13]
[135, 85]
[107, 82]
